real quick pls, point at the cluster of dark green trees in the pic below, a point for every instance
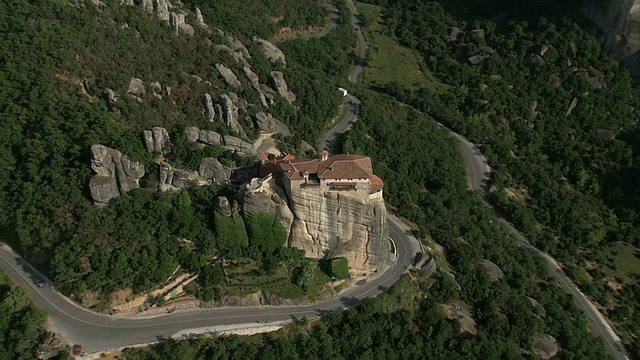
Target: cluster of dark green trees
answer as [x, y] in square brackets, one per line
[56, 61]
[21, 324]
[573, 172]
[425, 180]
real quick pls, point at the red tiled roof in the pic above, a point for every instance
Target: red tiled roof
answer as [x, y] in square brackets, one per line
[340, 166]
[272, 166]
[376, 184]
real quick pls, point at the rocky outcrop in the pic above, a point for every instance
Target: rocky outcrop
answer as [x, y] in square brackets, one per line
[212, 169]
[281, 86]
[349, 227]
[267, 123]
[114, 173]
[172, 179]
[254, 80]
[270, 51]
[147, 5]
[162, 9]
[199, 18]
[545, 346]
[230, 115]
[236, 144]
[111, 98]
[179, 25]
[210, 137]
[228, 75]
[493, 270]
[157, 140]
[209, 111]
[136, 87]
[269, 199]
[618, 25]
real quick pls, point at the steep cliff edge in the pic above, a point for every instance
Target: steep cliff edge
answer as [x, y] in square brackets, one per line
[619, 25]
[319, 222]
[347, 226]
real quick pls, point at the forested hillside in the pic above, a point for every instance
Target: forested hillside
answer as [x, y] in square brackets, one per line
[420, 316]
[559, 122]
[21, 324]
[59, 63]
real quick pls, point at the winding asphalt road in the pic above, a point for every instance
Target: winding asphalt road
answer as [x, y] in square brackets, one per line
[99, 332]
[478, 172]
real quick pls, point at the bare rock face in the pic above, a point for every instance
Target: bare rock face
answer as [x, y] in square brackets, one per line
[157, 140]
[254, 80]
[268, 199]
[147, 5]
[281, 86]
[572, 106]
[136, 87]
[236, 144]
[618, 22]
[223, 206]
[103, 189]
[162, 9]
[267, 123]
[210, 137]
[179, 25]
[478, 59]
[199, 18]
[111, 98]
[172, 179]
[228, 75]
[112, 169]
[211, 168]
[545, 346]
[191, 133]
[209, 111]
[230, 114]
[270, 51]
[493, 270]
[347, 226]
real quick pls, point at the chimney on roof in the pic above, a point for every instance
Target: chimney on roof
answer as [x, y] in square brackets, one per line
[324, 155]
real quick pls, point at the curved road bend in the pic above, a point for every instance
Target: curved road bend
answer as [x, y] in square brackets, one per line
[97, 332]
[478, 172]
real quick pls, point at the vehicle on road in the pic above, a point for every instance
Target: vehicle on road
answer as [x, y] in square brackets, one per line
[76, 350]
[344, 91]
[39, 283]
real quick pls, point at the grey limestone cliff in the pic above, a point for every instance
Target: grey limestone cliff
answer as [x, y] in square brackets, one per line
[157, 140]
[114, 173]
[281, 86]
[228, 75]
[347, 226]
[270, 51]
[258, 197]
[618, 22]
[317, 221]
[210, 137]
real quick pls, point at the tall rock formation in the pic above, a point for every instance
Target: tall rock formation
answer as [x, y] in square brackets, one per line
[157, 140]
[230, 115]
[336, 203]
[228, 75]
[270, 51]
[114, 173]
[619, 25]
[347, 226]
[281, 86]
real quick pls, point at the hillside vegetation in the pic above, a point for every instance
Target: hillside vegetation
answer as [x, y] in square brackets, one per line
[57, 62]
[558, 121]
